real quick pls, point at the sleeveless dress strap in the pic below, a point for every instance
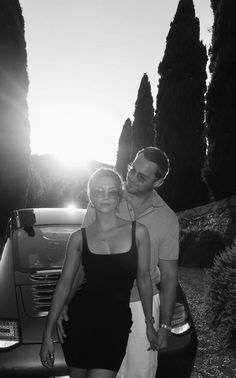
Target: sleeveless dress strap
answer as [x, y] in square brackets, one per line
[133, 233]
[84, 238]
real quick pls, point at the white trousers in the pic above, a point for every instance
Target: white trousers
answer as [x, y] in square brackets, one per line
[138, 362]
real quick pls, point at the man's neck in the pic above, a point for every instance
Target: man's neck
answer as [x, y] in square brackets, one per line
[141, 202]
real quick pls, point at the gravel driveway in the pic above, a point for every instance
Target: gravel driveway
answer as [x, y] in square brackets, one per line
[212, 359]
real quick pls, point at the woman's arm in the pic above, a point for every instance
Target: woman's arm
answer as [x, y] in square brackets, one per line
[89, 218]
[144, 282]
[70, 267]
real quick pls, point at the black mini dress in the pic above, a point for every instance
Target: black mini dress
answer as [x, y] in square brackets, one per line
[99, 314]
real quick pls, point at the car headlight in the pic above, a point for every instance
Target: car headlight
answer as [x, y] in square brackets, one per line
[9, 334]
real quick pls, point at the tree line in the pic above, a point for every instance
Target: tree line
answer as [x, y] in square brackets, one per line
[192, 121]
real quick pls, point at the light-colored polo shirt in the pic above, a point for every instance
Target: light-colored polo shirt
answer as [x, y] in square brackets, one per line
[163, 226]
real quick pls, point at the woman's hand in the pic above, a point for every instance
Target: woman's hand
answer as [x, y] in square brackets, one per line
[152, 337]
[47, 352]
[60, 329]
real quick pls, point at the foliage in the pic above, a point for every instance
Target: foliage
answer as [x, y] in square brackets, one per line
[221, 102]
[212, 360]
[142, 127]
[54, 185]
[179, 118]
[14, 124]
[221, 296]
[198, 249]
[124, 148]
[205, 231]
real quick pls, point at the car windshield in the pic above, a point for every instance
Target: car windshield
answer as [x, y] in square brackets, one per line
[41, 247]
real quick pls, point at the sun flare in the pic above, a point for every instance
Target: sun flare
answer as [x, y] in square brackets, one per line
[69, 135]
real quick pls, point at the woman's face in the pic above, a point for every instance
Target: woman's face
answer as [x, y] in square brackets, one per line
[105, 193]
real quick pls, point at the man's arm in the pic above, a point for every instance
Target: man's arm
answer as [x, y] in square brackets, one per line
[144, 282]
[168, 290]
[168, 265]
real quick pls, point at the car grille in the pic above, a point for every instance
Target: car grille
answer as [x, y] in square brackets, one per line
[42, 289]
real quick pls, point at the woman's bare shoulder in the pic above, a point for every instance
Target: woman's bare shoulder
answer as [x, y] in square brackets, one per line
[76, 238]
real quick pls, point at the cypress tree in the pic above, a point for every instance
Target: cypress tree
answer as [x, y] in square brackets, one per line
[124, 148]
[14, 124]
[143, 129]
[179, 119]
[221, 102]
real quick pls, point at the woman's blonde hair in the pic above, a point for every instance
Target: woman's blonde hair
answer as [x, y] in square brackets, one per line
[107, 172]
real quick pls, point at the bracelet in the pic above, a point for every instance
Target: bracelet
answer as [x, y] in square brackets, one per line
[166, 326]
[151, 321]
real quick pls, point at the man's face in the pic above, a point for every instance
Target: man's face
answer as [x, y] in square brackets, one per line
[141, 176]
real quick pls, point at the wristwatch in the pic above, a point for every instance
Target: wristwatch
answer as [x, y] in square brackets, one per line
[166, 326]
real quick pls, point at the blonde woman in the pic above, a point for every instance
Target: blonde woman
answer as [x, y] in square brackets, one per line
[113, 252]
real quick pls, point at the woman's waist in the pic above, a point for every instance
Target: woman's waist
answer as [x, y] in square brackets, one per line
[104, 293]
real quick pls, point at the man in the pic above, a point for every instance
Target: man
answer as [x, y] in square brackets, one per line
[141, 202]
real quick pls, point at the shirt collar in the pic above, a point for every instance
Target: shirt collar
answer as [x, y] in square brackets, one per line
[157, 200]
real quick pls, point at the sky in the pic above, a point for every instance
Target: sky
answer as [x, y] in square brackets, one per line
[85, 62]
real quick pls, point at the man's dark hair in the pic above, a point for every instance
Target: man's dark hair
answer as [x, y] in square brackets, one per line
[159, 157]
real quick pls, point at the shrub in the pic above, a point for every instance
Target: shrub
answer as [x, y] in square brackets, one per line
[199, 248]
[221, 296]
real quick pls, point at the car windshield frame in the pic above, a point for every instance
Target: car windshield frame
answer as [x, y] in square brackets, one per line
[41, 247]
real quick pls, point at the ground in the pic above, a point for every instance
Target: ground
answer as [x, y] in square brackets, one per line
[212, 359]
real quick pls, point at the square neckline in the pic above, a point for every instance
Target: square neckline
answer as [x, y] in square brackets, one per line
[109, 254]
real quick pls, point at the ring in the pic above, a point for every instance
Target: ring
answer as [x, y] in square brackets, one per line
[51, 355]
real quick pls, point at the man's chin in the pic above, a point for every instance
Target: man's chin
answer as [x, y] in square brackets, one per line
[130, 188]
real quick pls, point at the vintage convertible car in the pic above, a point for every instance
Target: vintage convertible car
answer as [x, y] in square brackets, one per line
[31, 260]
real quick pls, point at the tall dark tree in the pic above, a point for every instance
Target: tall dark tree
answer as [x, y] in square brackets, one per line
[124, 148]
[179, 118]
[14, 124]
[143, 129]
[220, 172]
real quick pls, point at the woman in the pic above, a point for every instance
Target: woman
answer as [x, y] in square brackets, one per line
[113, 253]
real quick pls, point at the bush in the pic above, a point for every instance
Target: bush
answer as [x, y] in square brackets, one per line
[199, 248]
[221, 296]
